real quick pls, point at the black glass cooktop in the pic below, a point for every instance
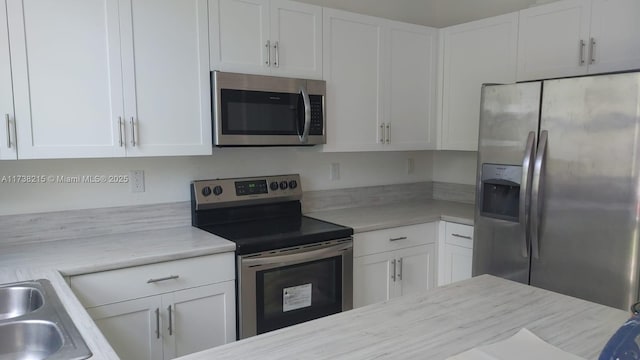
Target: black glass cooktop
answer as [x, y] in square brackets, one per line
[276, 233]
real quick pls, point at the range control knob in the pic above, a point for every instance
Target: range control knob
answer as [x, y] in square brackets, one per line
[293, 184]
[206, 191]
[284, 185]
[273, 186]
[217, 190]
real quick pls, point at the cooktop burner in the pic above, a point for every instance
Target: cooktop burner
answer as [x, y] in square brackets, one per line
[263, 235]
[258, 214]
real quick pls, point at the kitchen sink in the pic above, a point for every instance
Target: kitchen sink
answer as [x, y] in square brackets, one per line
[19, 300]
[35, 325]
[29, 339]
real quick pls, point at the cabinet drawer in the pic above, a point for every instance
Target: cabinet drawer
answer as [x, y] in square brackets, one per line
[458, 234]
[374, 242]
[108, 287]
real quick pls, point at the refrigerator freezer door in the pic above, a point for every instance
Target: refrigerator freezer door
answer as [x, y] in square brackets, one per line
[509, 118]
[589, 189]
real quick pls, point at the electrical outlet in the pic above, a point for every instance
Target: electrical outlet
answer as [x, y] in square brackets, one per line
[410, 166]
[335, 171]
[136, 180]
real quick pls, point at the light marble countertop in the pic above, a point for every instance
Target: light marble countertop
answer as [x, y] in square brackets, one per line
[107, 252]
[50, 260]
[437, 324]
[369, 218]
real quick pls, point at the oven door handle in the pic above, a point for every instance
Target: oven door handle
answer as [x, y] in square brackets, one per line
[297, 257]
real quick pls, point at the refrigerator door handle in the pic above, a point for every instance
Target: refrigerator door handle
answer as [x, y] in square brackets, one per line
[525, 193]
[536, 194]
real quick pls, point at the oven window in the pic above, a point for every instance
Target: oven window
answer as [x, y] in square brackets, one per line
[298, 293]
[260, 113]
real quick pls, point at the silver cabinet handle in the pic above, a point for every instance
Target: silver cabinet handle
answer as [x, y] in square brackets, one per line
[276, 47]
[157, 323]
[461, 236]
[388, 133]
[307, 115]
[120, 125]
[525, 192]
[6, 116]
[581, 51]
[170, 277]
[268, 47]
[592, 51]
[382, 133]
[133, 132]
[398, 238]
[536, 194]
[393, 275]
[400, 270]
[170, 321]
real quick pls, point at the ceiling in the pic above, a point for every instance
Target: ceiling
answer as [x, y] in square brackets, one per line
[435, 13]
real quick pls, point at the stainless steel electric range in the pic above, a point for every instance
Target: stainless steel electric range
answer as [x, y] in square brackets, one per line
[290, 268]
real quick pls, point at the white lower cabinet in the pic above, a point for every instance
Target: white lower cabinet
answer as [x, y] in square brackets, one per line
[162, 311]
[393, 262]
[456, 252]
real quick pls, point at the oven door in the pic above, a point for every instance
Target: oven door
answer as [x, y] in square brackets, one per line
[294, 285]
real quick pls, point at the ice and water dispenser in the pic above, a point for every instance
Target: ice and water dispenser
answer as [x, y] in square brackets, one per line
[500, 191]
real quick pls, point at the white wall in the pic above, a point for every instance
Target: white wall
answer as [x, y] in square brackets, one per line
[436, 13]
[455, 166]
[167, 179]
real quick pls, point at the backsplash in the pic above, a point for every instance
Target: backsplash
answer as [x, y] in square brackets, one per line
[365, 196]
[454, 192]
[76, 224]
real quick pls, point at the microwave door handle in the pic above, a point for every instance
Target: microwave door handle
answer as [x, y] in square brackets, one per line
[307, 116]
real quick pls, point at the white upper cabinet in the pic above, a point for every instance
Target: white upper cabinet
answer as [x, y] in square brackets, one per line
[65, 59]
[381, 83]
[577, 37]
[353, 72]
[270, 37]
[165, 54]
[614, 42]
[411, 110]
[296, 35]
[554, 40]
[240, 35]
[7, 130]
[474, 53]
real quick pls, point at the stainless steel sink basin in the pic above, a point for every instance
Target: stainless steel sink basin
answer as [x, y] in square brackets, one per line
[35, 325]
[29, 339]
[19, 300]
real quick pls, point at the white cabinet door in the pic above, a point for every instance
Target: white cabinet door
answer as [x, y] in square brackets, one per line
[372, 280]
[614, 31]
[7, 133]
[457, 263]
[474, 53]
[353, 71]
[411, 115]
[296, 39]
[202, 318]
[67, 78]
[133, 328]
[166, 77]
[553, 40]
[239, 35]
[416, 269]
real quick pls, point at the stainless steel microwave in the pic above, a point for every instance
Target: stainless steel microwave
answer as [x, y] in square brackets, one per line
[255, 110]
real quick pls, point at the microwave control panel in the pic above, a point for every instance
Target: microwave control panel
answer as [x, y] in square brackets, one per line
[317, 114]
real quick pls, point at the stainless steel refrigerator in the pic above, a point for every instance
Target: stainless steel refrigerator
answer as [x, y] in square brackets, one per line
[558, 186]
